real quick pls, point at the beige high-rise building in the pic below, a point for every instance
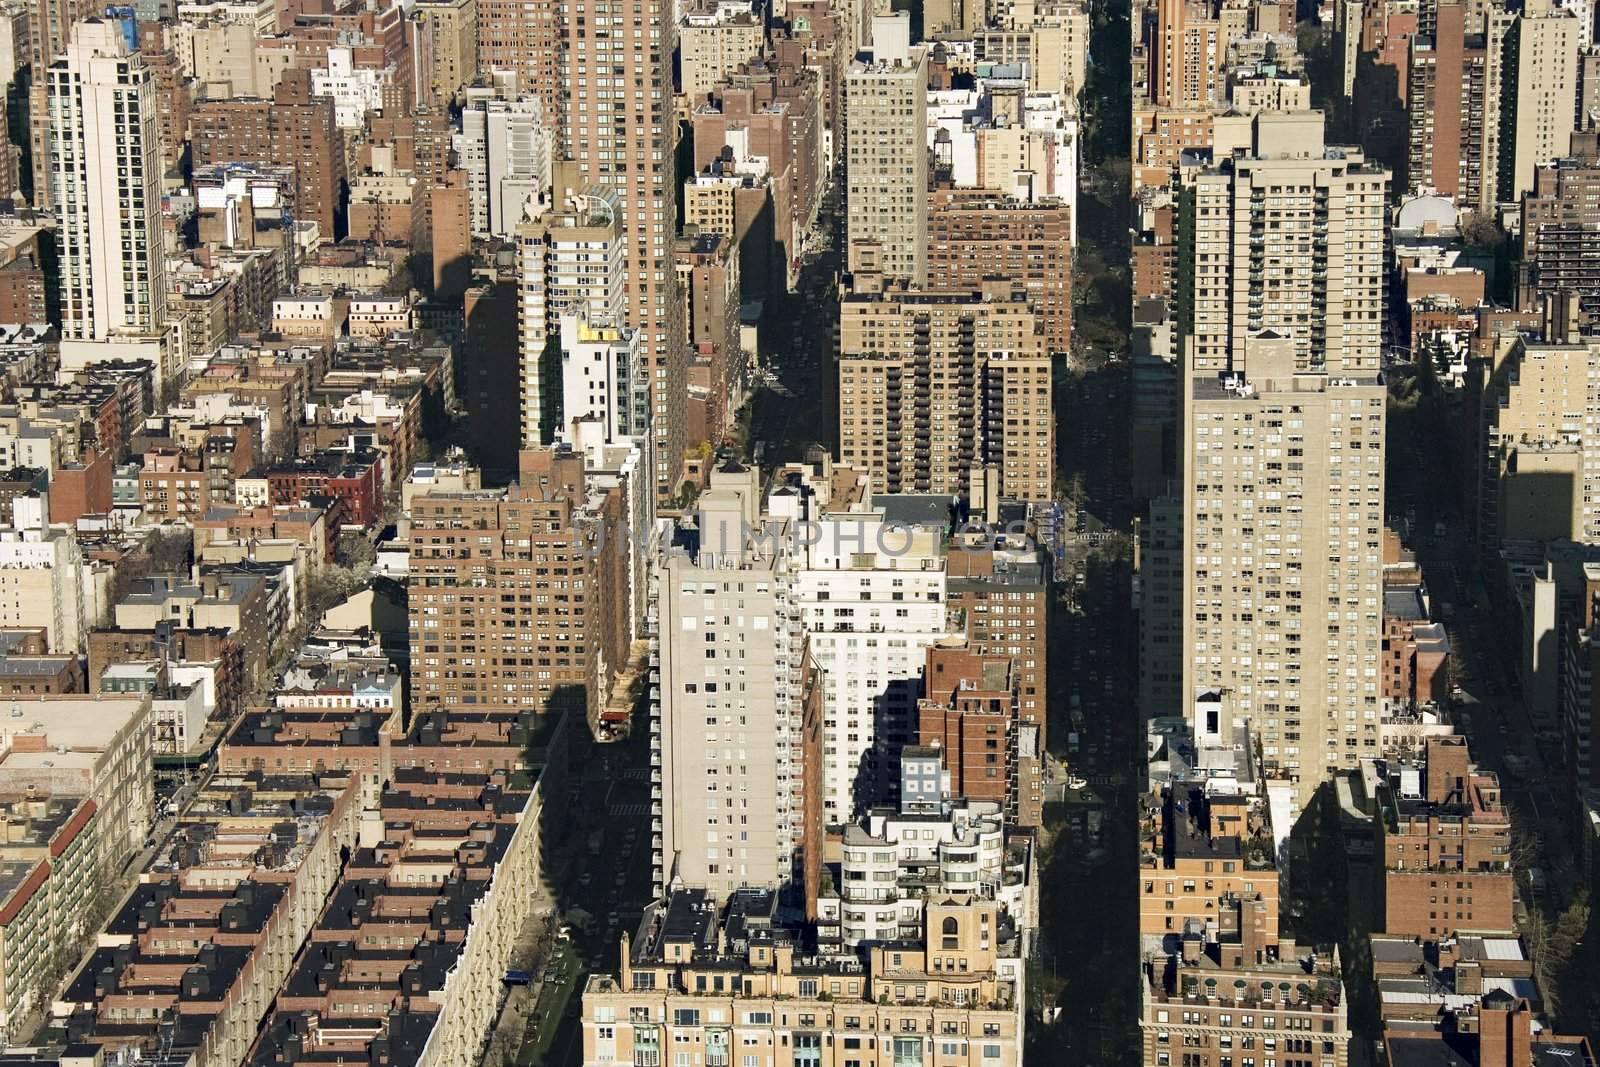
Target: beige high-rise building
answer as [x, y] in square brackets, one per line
[713, 41]
[1540, 105]
[452, 28]
[1538, 445]
[1288, 236]
[1282, 442]
[726, 730]
[621, 133]
[886, 170]
[946, 392]
[50, 25]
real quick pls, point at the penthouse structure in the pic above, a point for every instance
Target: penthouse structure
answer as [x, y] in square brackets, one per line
[708, 979]
[1206, 832]
[928, 847]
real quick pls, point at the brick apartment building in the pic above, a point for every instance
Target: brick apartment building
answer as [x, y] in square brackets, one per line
[975, 235]
[293, 128]
[969, 711]
[1444, 838]
[353, 478]
[510, 607]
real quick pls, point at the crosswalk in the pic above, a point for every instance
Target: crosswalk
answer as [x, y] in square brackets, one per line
[636, 774]
[628, 809]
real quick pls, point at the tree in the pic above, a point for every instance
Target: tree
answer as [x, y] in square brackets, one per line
[332, 584]
[354, 550]
[167, 550]
[1481, 231]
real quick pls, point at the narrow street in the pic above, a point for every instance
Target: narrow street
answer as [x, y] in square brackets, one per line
[1502, 734]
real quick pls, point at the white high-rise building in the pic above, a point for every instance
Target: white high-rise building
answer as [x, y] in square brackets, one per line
[871, 597]
[571, 261]
[602, 379]
[505, 146]
[105, 185]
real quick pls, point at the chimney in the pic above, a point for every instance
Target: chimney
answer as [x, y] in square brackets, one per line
[1520, 1036]
[1253, 936]
[1193, 941]
[1505, 1032]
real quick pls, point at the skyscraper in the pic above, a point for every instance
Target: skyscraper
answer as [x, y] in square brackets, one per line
[105, 182]
[1280, 300]
[1539, 94]
[1448, 111]
[886, 170]
[50, 25]
[871, 596]
[621, 134]
[726, 727]
[571, 262]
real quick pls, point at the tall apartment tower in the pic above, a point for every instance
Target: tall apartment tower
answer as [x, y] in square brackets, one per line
[886, 170]
[1448, 111]
[946, 392]
[527, 39]
[871, 596]
[622, 135]
[50, 25]
[726, 729]
[571, 262]
[1539, 94]
[506, 147]
[482, 635]
[1187, 69]
[1280, 301]
[105, 181]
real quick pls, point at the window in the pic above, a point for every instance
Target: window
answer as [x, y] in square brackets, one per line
[686, 1017]
[908, 1052]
